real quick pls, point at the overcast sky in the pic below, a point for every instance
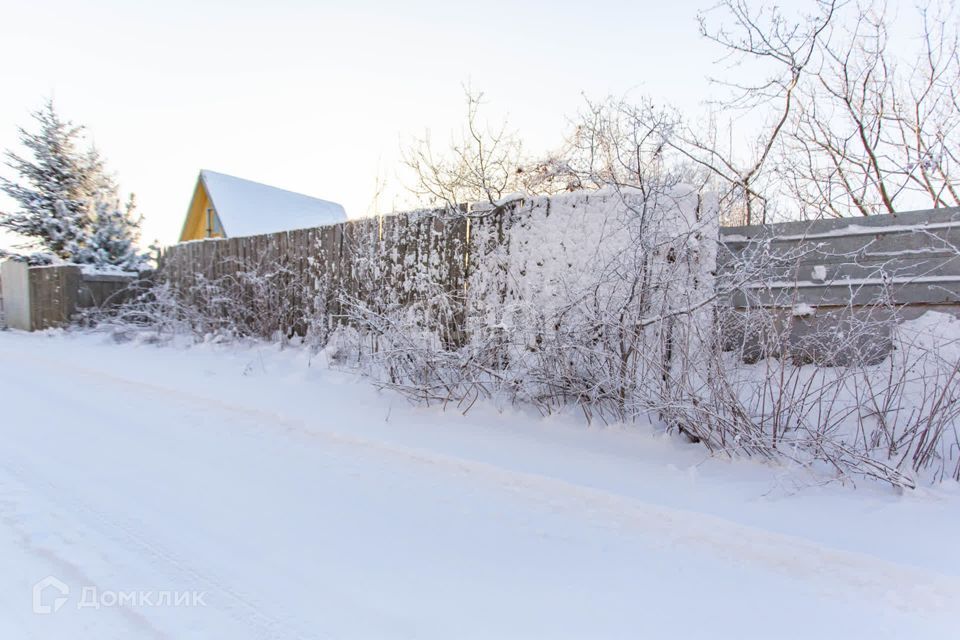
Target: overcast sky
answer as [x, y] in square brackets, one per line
[317, 97]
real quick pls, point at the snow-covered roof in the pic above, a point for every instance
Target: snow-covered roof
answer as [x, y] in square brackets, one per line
[247, 208]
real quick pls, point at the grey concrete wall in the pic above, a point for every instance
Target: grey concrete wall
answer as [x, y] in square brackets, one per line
[908, 259]
[831, 279]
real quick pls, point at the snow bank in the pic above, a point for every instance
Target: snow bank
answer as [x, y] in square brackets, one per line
[304, 504]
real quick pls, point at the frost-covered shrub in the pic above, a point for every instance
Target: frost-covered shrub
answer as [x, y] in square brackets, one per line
[583, 298]
[589, 295]
[258, 300]
[851, 386]
[896, 419]
[607, 301]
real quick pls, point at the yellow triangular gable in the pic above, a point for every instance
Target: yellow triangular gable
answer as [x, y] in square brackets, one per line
[202, 219]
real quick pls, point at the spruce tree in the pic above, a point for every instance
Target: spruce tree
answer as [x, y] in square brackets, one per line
[69, 203]
[116, 232]
[54, 188]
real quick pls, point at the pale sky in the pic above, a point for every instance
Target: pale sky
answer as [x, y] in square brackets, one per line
[318, 97]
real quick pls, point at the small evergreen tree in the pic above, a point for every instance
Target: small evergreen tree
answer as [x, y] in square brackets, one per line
[116, 232]
[69, 202]
[53, 190]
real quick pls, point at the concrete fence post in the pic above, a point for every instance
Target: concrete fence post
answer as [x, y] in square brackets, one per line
[15, 285]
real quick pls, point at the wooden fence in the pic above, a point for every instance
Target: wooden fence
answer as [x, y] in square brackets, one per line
[903, 264]
[470, 266]
[335, 263]
[44, 297]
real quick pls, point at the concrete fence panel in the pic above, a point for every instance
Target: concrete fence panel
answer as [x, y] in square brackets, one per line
[911, 260]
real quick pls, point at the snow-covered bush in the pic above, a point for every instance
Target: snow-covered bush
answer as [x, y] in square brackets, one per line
[608, 301]
[589, 295]
[583, 298]
[253, 300]
[894, 418]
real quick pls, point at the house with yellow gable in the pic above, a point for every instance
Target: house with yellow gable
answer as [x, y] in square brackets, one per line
[229, 207]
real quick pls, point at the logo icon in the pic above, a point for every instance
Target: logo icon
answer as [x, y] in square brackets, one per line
[53, 585]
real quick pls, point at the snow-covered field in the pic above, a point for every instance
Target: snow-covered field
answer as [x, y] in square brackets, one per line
[246, 492]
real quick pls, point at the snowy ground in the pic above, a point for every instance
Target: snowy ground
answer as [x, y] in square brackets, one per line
[296, 502]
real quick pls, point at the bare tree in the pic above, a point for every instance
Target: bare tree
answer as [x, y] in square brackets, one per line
[851, 128]
[766, 36]
[613, 143]
[871, 135]
[929, 115]
[482, 164]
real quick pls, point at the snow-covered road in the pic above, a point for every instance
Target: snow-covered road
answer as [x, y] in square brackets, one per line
[243, 493]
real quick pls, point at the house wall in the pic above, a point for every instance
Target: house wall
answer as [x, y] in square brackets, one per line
[195, 227]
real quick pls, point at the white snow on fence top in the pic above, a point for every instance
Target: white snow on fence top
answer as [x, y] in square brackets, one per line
[248, 208]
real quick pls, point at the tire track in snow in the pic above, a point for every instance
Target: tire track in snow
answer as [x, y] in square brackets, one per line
[65, 568]
[902, 586]
[119, 532]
